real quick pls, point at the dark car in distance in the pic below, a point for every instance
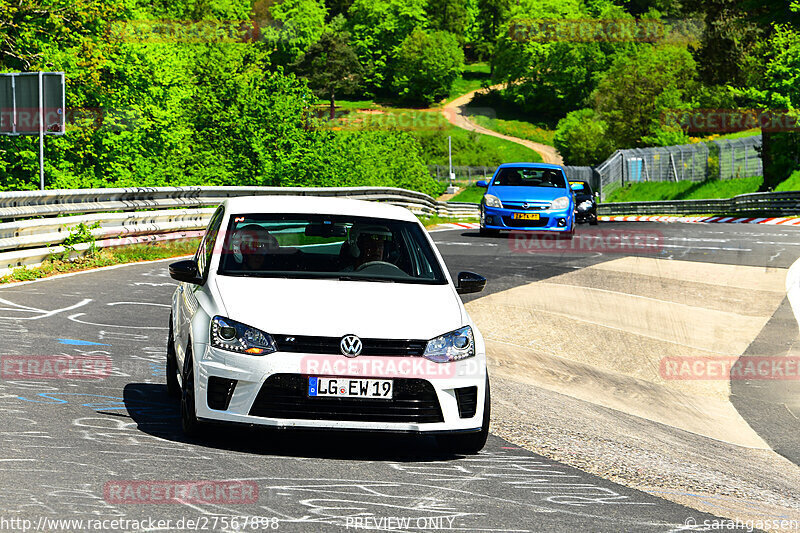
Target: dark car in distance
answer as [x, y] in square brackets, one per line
[585, 202]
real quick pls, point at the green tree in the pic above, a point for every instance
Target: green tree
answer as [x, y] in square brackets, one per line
[448, 15]
[549, 78]
[378, 28]
[427, 66]
[295, 26]
[582, 138]
[775, 86]
[491, 16]
[331, 67]
[635, 90]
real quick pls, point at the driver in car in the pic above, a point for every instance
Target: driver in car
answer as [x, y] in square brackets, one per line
[366, 244]
[251, 246]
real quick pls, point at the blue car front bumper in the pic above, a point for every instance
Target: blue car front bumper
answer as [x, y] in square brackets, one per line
[550, 220]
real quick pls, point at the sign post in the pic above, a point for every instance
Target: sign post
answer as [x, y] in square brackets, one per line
[32, 103]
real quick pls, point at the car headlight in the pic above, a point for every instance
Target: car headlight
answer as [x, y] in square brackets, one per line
[560, 203]
[492, 201]
[233, 336]
[585, 205]
[453, 346]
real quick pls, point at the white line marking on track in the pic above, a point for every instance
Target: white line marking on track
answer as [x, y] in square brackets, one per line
[44, 314]
[138, 303]
[74, 318]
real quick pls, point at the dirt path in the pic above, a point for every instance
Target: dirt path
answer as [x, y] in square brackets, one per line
[454, 113]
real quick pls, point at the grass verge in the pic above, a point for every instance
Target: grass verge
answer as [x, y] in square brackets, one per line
[431, 221]
[475, 76]
[685, 190]
[431, 129]
[105, 257]
[792, 183]
[516, 128]
[471, 194]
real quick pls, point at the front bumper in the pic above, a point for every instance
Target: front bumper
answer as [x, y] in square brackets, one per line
[255, 400]
[549, 220]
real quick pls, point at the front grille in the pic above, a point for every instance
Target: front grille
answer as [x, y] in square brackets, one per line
[467, 398]
[531, 206]
[330, 345]
[285, 396]
[220, 392]
[513, 223]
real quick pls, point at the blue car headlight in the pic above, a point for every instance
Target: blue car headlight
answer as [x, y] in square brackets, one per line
[233, 336]
[453, 346]
[559, 204]
[492, 201]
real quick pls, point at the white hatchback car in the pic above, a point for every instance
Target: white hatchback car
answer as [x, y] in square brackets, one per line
[309, 312]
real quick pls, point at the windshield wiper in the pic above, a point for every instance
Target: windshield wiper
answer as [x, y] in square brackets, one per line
[365, 278]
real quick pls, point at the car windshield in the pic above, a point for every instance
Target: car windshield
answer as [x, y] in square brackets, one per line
[580, 187]
[328, 246]
[530, 177]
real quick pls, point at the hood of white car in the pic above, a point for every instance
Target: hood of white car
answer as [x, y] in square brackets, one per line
[334, 308]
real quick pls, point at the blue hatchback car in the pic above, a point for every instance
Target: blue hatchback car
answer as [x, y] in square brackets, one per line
[528, 196]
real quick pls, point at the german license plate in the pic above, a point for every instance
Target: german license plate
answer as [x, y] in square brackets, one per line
[526, 216]
[350, 388]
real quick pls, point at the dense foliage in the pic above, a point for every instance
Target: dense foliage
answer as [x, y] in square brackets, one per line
[153, 107]
[178, 92]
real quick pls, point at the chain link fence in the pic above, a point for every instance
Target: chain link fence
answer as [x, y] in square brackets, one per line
[719, 159]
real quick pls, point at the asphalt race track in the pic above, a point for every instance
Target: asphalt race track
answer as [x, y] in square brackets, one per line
[66, 441]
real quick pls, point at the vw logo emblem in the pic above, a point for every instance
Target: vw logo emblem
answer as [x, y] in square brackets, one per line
[525, 205]
[350, 346]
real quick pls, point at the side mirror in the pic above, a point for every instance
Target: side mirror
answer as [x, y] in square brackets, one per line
[469, 282]
[185, 270]
[482, 184]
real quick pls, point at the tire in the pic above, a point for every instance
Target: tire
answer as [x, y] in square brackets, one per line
[469, 443]
[593, 221]
[173, 386]
[189, 423]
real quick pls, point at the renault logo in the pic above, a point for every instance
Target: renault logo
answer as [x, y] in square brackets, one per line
[350, 346]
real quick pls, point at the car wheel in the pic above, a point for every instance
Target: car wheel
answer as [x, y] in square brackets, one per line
[593, 221]
[469, 443]
[173, 387]
[191, 426]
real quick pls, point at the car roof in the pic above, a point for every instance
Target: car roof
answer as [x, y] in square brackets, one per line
[535, 165]
[316, 205]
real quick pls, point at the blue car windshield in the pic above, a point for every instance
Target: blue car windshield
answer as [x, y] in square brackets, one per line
[530, 177]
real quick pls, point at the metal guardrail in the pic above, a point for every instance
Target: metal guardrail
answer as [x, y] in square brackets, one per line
[763, 203]
[143, 214]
